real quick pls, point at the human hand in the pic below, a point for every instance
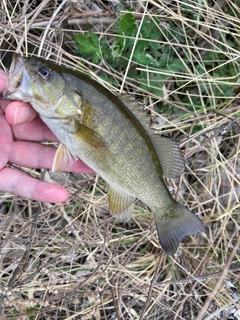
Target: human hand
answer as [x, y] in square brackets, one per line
[20, 129]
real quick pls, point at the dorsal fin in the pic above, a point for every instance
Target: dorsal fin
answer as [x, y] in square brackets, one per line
[135, 108]
[169, 154]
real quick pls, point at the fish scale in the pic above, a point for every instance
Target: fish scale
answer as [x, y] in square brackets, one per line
[112, 136]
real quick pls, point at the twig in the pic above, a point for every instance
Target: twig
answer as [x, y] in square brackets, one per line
[133, 48]
[116, 309]
[142, 316]
[24, 258]
[219, 283]
[197, 278]
[218, 5]
[39, 9]
[219, 130]
[49, 25]
[80, 18]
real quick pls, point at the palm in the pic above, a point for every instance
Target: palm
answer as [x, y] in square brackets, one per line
[18, 146]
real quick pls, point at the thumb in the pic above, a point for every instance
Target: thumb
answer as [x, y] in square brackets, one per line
[18, 112]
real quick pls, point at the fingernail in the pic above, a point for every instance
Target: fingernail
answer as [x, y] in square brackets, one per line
[15, 117]
[3, 80]
[3, 75]
[21, 114]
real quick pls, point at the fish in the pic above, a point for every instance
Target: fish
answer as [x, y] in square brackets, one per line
[111, 134]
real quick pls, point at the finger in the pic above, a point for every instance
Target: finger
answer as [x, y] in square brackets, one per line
[36, 155]
[80, 167]
[35, 130]
[5, 141]
[3, 80]
[18, 183]
[18, 112]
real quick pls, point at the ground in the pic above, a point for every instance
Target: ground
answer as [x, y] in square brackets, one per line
[72, 261]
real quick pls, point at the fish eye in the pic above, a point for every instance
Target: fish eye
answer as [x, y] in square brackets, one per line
[44, 73]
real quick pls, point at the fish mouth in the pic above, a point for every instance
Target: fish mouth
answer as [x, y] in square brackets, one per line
[17, 80]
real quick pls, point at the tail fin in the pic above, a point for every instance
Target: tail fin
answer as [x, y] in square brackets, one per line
[174, 227]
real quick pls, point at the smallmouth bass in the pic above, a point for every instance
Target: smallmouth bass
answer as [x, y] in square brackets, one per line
[111, 135]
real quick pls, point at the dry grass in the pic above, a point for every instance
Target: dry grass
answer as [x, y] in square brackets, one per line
[71, 261]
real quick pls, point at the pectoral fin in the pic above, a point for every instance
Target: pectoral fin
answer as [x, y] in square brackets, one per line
[63, 158]
[120, 204]
[90, 137]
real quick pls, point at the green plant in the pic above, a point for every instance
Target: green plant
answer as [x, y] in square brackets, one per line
[157, 61]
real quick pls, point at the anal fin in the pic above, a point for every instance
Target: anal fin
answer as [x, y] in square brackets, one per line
[120, 204]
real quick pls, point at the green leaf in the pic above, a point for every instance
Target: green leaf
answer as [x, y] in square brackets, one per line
[125, 28]
[176, 66]
[89, 45]
[145, 59]
[150, 30]
[127, 25]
